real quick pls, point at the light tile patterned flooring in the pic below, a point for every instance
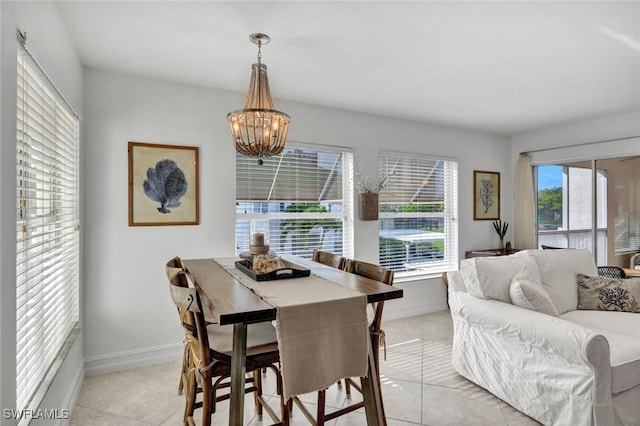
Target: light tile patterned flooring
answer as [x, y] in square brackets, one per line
[419, 387]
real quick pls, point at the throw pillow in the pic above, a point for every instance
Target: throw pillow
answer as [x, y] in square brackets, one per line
[490, 277]
[526, 291]
[558, 269]
[608, 294]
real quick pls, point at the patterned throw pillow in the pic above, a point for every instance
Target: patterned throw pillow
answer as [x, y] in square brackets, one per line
[608, 294]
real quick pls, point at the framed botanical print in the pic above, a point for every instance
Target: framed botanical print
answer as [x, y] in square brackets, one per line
[486, 195]
[163, 185]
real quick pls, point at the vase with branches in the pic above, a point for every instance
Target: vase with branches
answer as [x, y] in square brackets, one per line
[368, 189]
[365, 184]
[501, 230]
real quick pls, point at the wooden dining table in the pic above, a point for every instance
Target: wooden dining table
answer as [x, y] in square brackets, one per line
[234, 303]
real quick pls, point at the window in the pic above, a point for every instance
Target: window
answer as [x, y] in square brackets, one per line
[418, 207]
[47, 260]
[623, 204]
[565, 207]
[300, 198]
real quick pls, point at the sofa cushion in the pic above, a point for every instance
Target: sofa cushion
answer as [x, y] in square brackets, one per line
[622, 331]
[490, 277]
[527, 292]
[608, 294]
[558, 269]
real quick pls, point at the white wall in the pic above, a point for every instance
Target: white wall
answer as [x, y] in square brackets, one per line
[52, 47]
[128, 314]
[561, 138]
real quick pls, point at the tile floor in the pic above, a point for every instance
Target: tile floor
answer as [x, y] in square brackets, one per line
[419, 387]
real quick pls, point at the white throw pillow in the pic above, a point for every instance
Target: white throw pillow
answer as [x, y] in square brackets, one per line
[526, 291]
[558, 269]
[490, 277]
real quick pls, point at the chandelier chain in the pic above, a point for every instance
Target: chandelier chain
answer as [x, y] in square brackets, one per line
[259, 51]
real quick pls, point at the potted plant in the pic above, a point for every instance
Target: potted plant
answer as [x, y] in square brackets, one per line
[501, 230]
[368, 190]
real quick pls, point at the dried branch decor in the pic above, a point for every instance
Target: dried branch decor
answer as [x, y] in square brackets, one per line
[501, 230]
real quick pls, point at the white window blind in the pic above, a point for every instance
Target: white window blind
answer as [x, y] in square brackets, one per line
[418, 207]
[303, 197]
[47, 260]
[627, 233]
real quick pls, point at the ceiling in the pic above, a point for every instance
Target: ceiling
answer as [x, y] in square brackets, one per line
[500, 67]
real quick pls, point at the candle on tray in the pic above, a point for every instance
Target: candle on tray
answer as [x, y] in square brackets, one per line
[258, 239]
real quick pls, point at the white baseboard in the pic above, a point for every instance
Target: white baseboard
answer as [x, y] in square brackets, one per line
[130, 359]
[167, 353]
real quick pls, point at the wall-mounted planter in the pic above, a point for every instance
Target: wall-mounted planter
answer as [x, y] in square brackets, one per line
[368, 206]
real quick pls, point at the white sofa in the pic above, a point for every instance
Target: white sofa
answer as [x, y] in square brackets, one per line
[578, 368]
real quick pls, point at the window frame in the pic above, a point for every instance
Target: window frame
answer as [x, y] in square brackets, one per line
[600, 239]
[346, 215]
[430, 268]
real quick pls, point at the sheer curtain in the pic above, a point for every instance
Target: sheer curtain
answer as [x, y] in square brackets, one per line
[523, 197]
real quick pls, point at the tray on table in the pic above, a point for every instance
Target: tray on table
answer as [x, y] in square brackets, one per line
[291, 270]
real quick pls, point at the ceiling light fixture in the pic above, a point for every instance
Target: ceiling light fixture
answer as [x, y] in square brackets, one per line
[259, 130]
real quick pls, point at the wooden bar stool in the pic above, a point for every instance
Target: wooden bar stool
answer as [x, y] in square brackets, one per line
[207, 357]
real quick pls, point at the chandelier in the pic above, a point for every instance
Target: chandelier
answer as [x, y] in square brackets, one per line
[259, 130]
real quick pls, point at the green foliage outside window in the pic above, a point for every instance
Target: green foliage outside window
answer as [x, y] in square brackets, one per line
[412, 208]
[302, 227]
[550, 208]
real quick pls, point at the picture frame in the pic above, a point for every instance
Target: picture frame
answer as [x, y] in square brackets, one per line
[163, 184]
[486, 195]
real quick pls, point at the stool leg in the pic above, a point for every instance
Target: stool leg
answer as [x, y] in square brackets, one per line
[257, 379]
[322, 397]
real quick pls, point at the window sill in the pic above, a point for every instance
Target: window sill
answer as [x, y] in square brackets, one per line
[42, 389]
[421, 277]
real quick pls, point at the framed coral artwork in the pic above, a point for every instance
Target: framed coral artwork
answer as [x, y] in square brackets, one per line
[163, 185]
[486, 195]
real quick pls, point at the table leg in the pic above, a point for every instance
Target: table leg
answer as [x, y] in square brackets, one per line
[371, 391]
[238, 370]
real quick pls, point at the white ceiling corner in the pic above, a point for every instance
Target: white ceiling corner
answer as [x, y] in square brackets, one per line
[498, 67]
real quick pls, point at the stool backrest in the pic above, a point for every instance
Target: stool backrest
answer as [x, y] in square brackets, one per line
[329, 259]
[172, 268]
[371, 271]
[188, 302]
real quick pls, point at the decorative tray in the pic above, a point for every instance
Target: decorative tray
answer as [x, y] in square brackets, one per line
[290, 271]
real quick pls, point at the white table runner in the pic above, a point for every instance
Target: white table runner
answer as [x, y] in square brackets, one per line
[321, 327]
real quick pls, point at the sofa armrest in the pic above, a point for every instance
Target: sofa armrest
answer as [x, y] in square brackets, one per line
[456, 282]
[539, 331]
[549, 368]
